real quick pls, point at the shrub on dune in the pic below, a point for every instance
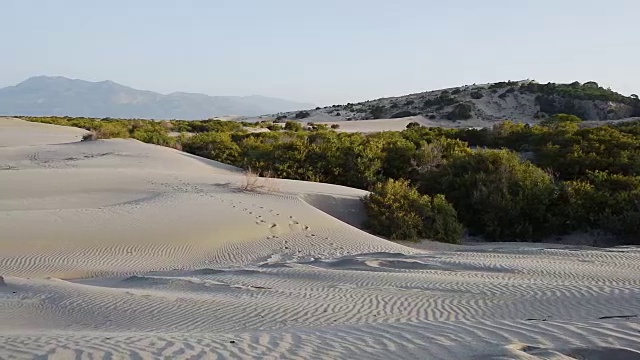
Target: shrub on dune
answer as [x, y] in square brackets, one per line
[398, 211]
[497, 194]
[213, 145]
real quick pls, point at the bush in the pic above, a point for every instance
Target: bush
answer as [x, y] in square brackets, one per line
[213, 145]
[335, 126]
[293, 126]
[476, 95]
[561, 118]
[396, 210]
[496, 194]
[107, 130]
[154, 137]
[377, 112]
[402, 114]
[302, 115]
[462, 111]
[604, 202]
[413, 124]
[443, 100]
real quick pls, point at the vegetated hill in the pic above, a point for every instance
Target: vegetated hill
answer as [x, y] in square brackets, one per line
[44, 95]
[481, 105]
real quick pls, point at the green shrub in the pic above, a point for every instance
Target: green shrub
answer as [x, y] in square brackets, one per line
[213, 145]
[402, 114]
[396, 210]
[377, 112]
[108, 130]
[476, 95]
[496, 194]
[503, 84]
[443, 100]
[561, 118]
[154, 137]
[462, 111]
[302, 115]
[293, 126]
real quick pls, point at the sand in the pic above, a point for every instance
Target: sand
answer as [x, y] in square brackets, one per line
[118, 249]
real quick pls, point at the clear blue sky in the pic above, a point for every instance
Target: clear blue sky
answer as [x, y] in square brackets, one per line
[320, 51]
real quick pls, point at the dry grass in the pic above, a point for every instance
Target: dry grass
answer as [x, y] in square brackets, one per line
[254, 183]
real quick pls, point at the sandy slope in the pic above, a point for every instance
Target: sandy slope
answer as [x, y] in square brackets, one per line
[119, 249]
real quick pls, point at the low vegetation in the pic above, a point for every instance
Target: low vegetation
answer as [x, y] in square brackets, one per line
[398, 211]
[512, 182]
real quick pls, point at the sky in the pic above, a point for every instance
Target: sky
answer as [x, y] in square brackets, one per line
[320, 51]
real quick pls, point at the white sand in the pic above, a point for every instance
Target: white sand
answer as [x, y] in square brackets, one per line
[379, 125]
[119, 249]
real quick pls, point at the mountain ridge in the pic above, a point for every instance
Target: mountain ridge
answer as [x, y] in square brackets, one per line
[61, 96]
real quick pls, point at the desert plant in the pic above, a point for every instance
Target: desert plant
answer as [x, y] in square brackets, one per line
[402, 114]
[396, 210]
[476, 95]
[462, 111]
[496, 194]
[293, 126]
[302, 115]
[377, 111]
[254, 183]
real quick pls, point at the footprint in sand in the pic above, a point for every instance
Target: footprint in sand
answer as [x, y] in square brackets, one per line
[275, 229]
[295, 226]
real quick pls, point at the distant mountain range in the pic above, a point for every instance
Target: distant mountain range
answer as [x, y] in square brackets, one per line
[57, 95]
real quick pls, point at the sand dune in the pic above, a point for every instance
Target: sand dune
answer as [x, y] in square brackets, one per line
[119, 249]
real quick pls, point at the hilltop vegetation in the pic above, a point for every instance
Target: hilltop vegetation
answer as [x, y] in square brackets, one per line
[512, 182]
[522, 101]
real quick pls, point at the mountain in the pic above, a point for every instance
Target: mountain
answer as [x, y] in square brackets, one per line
[481, 105]
[47, 95]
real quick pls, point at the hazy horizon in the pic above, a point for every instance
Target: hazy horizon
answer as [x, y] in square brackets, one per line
[325, 53]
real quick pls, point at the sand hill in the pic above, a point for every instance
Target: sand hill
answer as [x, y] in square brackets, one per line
[119, 249]
[475, 105]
